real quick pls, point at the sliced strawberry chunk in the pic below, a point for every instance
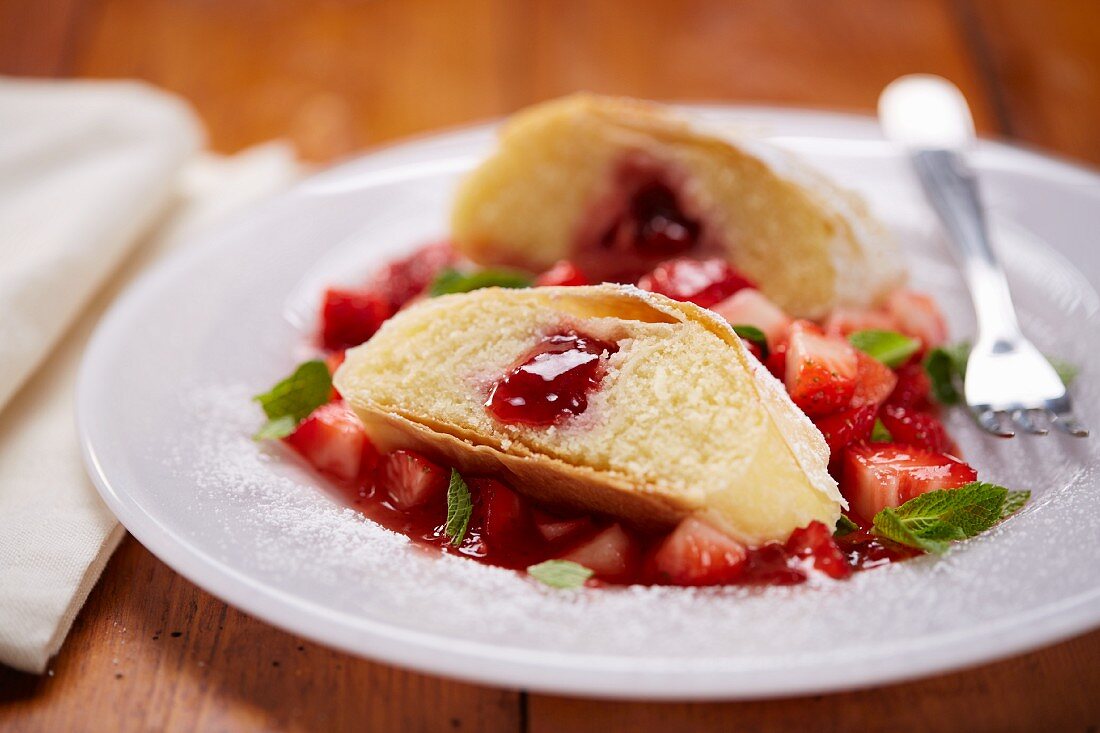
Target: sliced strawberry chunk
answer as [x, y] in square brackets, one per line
[921, 429]
[816, 541]
[847, 426]
[333, 362]
[412, 480]
[874, 381]
[821, 371]
[333, 440]
[777, 360]
[750, 307]
[703, 282]
[554, 528]
[402, 280]
[563, 273]
[350, 317]
[918, 315]
[843, 322]
[913, 387]
[888, 475]
[697, 553]
[507, 518]
[610, 554]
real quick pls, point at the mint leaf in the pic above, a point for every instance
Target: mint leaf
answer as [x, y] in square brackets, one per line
[459, 508]
[946, 368]
[560, 573]
[453, 281]
[931, 521]
[879, 433]
[844, 526]
[1013, 502]
[754, 334]
[889, 347]
[291, 400]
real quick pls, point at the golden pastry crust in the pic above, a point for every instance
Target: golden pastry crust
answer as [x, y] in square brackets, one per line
[684, 421]
[809, 244]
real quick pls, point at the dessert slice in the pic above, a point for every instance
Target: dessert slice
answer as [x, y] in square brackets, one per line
[618, 186]
[604, 398]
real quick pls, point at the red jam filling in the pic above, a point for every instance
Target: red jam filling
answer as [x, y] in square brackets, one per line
[551, 382]
[652, 225]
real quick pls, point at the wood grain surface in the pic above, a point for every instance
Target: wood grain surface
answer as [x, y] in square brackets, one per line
[150, 651]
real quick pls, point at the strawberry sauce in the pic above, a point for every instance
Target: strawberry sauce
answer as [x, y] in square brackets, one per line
[551, 382]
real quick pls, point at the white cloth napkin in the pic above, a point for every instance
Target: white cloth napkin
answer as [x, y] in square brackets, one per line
[97, 179]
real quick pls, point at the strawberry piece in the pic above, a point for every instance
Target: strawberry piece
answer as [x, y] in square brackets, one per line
[777, 361]
[703, 282]
[610, 554]
[918, 315]
[350, 317]
[402, 280]
[333, 362]
[411, 480]
[821, 371]
[921, 429]
[507, 518]
[874, 381]
[333, 440]
[750, 307]
[554, 528]
[843, 322]
[754, 348]
[697, 553]
[816, 541]
[848, 426]
[563, 273]
[888, 475]
[913, 387]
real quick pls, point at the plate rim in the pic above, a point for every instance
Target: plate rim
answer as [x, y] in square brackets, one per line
[511, 667]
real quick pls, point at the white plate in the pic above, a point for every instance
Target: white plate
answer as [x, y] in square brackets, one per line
[164, 415]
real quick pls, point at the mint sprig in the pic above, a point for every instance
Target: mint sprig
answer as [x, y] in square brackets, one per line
[946, 370]
[454, 281]
[560, 573]
[932, 521]
[754, 334]
[292, 399]
[844, 526]
[459, 508]
[890, 347]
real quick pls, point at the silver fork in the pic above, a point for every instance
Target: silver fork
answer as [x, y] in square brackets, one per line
[1008, 381]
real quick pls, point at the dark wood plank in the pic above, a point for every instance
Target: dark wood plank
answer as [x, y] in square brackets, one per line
[1051, 690]
[38, 38]
[150, 651]
[1045, 59]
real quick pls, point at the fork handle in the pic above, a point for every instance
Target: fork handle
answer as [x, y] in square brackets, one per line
[952, 189]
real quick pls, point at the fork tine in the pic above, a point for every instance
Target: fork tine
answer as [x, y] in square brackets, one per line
[992, 422]
[1026, 420]
[1067, 423]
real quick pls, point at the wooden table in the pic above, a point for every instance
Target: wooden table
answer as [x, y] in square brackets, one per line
[151, 651]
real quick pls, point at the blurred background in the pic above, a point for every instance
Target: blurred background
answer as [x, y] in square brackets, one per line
[335, 76]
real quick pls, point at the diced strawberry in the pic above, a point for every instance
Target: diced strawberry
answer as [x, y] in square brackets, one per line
[703, 282]
[777, 361]
[754, 348]
[874, 381]
[843, 322]
[821, 371]
[913, 387]
[847, 426]
[697, 553]
[333, 440]
[610, 554]
[402, 280]
[563, 273]
[918, 315]
[921, 429]
[554, 528]
[816, 541]
[882, 475]
[350, 317]
[750, 307]
[412, 480]
[507, 518]
[333, 362]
